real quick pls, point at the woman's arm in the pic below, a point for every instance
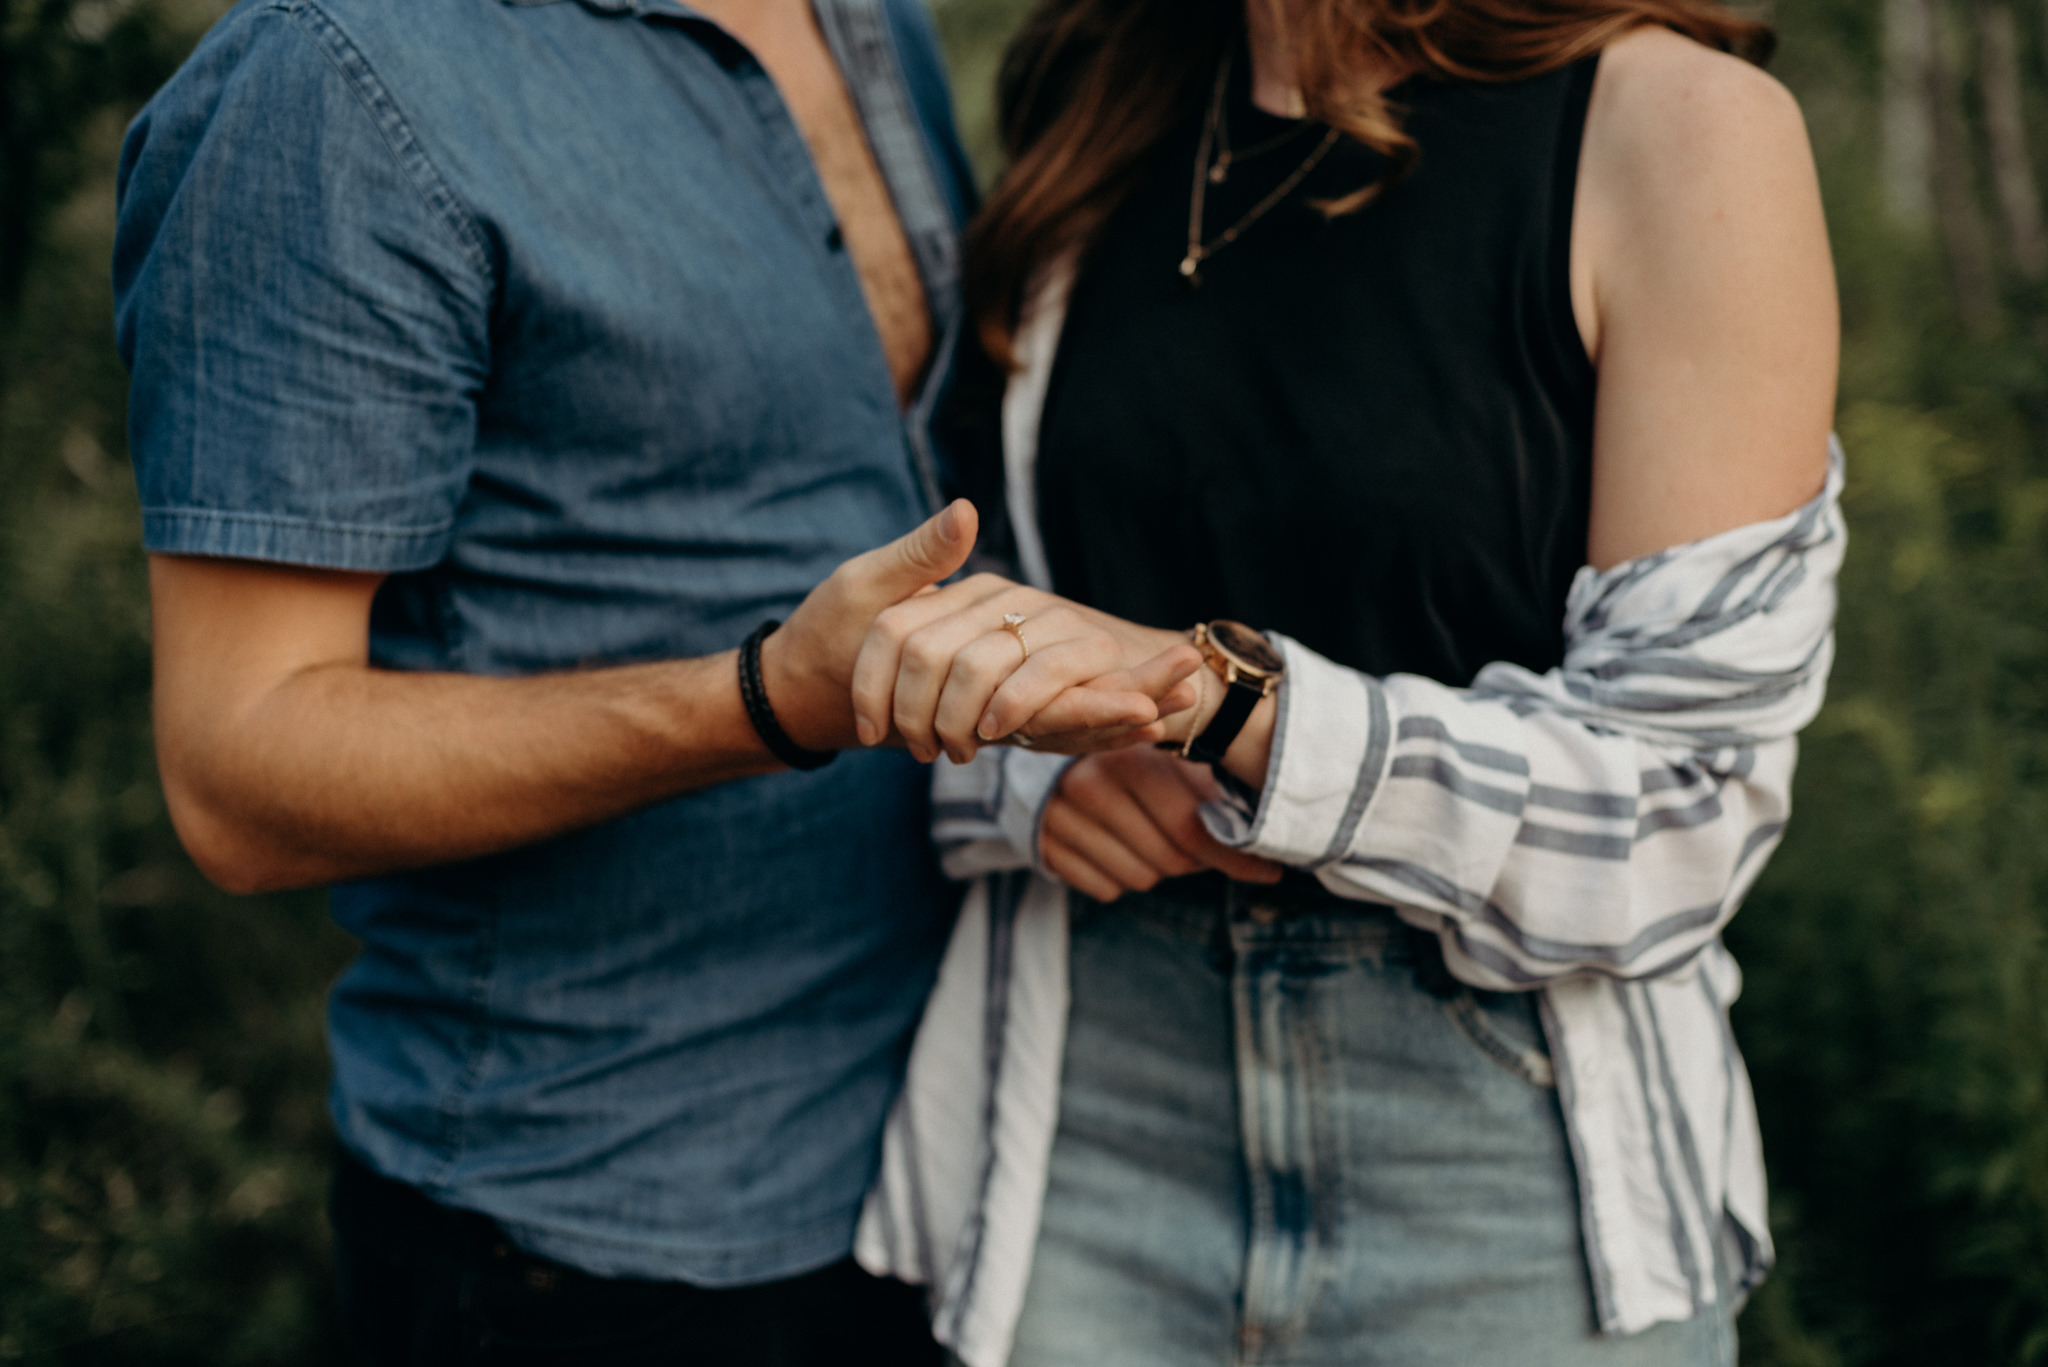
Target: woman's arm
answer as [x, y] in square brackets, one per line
[1706, 295]
[1704, 290]
[1606, 817]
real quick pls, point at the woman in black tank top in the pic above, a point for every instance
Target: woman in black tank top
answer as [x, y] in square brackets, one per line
[1583, 314]
[1374, 432]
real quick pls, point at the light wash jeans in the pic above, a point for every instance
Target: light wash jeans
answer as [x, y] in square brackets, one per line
[1287, 1138]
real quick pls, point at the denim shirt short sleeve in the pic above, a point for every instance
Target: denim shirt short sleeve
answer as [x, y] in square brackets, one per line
[304, 309]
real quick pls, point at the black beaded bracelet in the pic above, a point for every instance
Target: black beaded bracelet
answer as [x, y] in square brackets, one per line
[754, 694]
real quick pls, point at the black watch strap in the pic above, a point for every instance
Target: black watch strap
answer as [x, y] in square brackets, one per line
[1239, 698]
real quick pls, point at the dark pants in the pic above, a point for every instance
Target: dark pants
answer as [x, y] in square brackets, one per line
[425, 1286]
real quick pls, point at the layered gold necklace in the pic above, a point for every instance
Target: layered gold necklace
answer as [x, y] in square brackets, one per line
[1213, 160]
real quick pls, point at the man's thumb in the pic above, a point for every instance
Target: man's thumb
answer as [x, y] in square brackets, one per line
[928, 554]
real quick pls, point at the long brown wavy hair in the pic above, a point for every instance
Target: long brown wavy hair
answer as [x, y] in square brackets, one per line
[1088, 87]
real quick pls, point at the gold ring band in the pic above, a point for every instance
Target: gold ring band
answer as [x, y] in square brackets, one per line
[1013, 622]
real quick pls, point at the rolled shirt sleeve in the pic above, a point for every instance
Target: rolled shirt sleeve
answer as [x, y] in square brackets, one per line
[303, 306]
[1606, 817]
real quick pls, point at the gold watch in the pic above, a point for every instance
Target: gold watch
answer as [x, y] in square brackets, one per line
[1251, 669]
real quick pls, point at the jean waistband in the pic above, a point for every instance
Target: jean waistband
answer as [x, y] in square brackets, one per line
[1297, 890]
[1298, 910]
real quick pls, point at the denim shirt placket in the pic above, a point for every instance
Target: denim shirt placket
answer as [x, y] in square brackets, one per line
[857, 35]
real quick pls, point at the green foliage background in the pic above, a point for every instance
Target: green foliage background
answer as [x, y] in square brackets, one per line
[162, 1137]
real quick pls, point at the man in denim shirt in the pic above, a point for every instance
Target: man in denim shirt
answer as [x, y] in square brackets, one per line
[499, 365]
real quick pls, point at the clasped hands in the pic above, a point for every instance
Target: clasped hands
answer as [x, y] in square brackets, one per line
[880, 654]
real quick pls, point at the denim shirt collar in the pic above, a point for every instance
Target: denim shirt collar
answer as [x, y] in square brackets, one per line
[857, 33]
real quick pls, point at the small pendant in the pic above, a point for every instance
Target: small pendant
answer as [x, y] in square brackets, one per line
[1191, 271]
[1220, 172]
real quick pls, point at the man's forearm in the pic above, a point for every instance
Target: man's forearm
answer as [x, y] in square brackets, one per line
[288, 760]
[343, 771]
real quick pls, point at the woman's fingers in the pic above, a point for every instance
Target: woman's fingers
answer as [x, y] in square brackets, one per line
[985, 663]
[1066, 824]
[1119, 791]
[978, 668]
[1064, 649]
[1122, 822]
[1051, 701]
[1100, 740]
[968, 655]
[1168, 678]
[1100, 789]
[1067, 864]
[949, 669]
[1183, 821]
[931, 668]
[916, 649]
[880, 658]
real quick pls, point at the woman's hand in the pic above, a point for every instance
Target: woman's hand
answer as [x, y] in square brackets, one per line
[1122, 821]
[943, 671]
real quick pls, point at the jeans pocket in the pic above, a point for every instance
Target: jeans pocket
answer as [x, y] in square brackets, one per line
[1489, 1032]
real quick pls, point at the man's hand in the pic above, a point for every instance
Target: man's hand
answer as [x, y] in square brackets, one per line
[1122, 821]
[808, 664]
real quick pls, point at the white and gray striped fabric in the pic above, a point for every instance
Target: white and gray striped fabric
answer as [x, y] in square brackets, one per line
[1604, 817]
[1583, 833]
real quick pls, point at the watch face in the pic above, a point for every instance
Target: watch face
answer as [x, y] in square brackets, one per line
[1247, 647]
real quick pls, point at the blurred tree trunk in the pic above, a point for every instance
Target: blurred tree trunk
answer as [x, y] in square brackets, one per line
[1963, 234]
[1909, 113]
[2012, 163]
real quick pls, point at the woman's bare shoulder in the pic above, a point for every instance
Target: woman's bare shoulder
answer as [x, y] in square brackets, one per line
[1669, 110]
[1655, 72]
[1700, 252]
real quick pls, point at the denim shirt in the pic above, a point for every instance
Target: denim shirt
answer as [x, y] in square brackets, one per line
[541, 310]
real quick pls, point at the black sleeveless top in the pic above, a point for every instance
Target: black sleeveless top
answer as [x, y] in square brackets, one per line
[1372, 433]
